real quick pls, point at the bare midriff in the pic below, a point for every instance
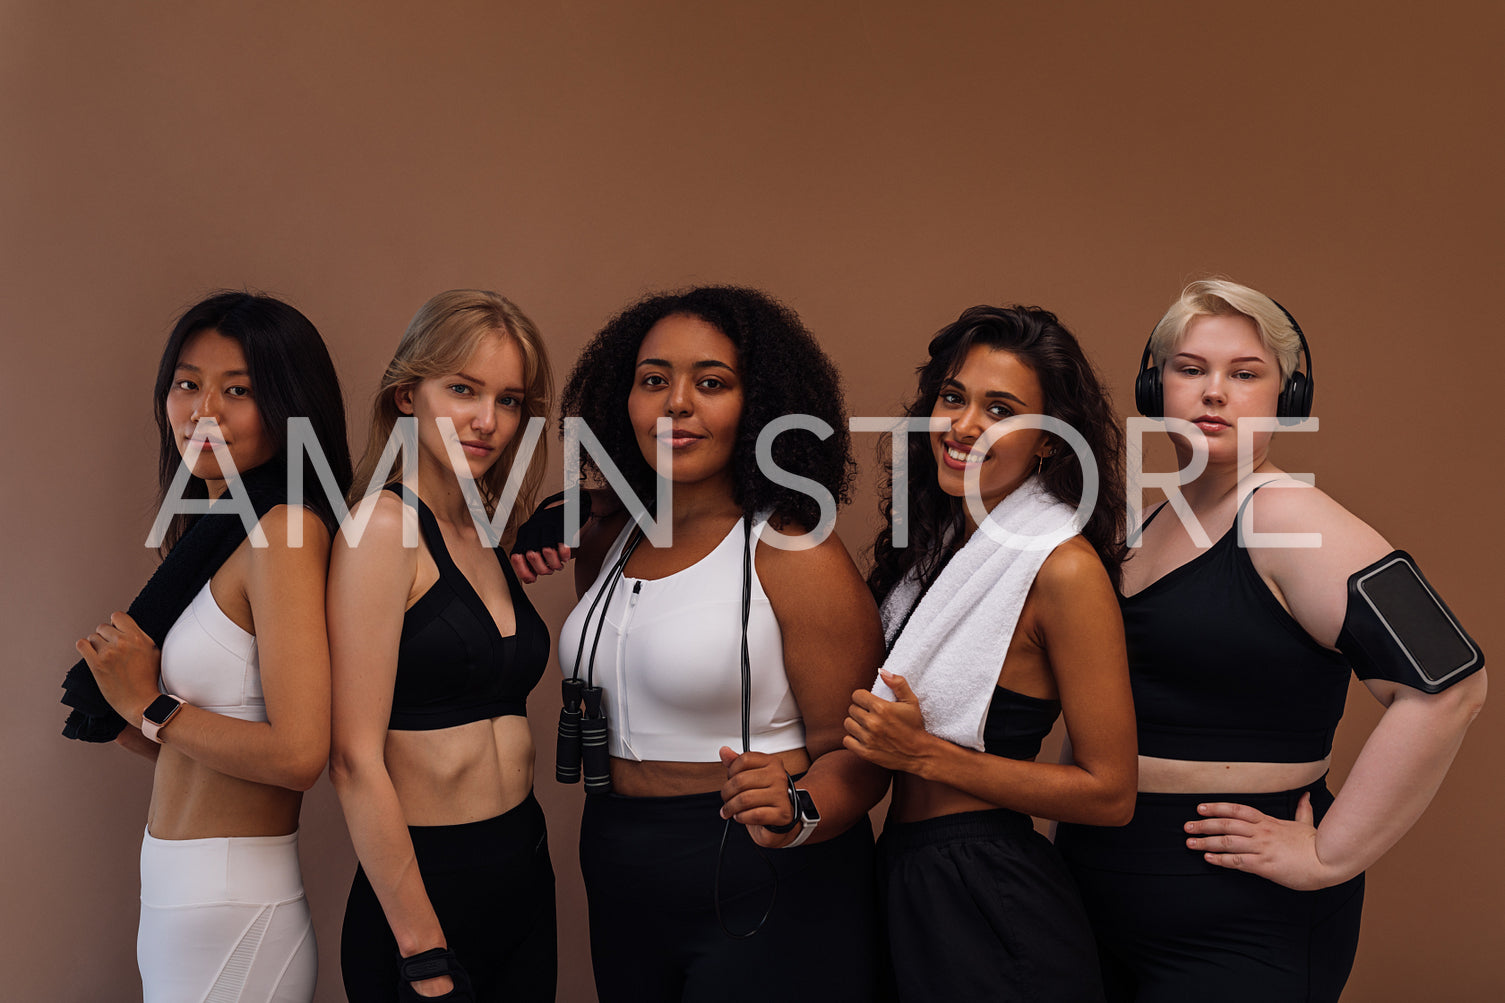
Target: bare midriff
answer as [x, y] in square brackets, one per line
[191, 801]
[916, 799]
[1182, 776]
[655, 778]
[467, 773]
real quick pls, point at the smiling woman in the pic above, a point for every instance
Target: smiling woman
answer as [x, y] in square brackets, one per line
[988, 644]
[212, 411]
[722, 667]
[220, 672]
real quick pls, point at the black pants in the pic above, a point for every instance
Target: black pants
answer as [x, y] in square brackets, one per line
[650, 868]
[979, 906]
[1171, 927]
[492, 885]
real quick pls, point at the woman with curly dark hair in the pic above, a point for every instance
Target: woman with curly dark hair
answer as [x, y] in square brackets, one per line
[725, 661]
[1000, 615]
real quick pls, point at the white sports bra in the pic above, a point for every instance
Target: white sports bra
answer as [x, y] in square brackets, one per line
[209, 661]
[670, 659]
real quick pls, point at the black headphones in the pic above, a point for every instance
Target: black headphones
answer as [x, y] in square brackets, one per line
[1295, 396]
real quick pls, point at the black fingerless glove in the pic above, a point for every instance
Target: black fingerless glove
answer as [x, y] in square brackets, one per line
[545, 527]
[431, 964]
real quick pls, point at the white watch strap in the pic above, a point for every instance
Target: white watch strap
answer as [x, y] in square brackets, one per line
[807, 829]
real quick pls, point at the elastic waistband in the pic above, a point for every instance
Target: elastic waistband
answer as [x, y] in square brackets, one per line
[473, 840]
[958, 828]
[1154, 841]
[187, 872]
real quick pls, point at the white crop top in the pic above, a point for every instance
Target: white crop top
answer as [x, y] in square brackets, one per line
[670, 659]
[209, 661]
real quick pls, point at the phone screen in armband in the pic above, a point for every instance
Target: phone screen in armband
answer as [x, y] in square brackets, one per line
[1418, 622]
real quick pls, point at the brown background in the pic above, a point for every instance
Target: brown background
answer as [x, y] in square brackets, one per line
[877, 166]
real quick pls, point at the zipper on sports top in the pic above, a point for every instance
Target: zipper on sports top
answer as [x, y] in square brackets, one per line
[623, 712]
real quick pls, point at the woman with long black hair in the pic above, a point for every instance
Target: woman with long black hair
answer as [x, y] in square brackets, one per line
[220, 672]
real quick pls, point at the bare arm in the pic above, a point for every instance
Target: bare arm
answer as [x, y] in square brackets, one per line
[132, 740]
[285, 587]
[1071, 616]
[833, 644]
[1405, 758]
[369, 585]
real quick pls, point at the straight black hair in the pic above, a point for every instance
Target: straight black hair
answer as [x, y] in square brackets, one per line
[292, 376]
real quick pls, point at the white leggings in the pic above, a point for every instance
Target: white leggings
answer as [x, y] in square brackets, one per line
[223, 920]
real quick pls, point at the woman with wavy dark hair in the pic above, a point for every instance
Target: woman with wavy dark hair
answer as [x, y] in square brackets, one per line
[1000, 616]
[220, 672]
[669, 631]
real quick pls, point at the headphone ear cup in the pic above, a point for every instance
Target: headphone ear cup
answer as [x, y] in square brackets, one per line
[1295, 397]
[1147, 393]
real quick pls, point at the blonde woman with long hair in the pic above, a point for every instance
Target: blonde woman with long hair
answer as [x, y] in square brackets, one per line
[435, 649]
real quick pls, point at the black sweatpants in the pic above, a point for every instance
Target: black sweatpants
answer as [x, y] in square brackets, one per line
[1171, 927]
[650, 867]
[979, 906]
[492, 885]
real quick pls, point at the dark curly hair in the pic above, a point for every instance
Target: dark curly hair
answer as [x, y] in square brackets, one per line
[782, 369]
[1073, 393]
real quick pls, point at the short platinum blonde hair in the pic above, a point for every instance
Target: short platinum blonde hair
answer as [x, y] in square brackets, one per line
[1224, 298]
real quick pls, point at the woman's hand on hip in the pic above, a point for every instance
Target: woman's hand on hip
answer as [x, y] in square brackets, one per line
[1241, 838]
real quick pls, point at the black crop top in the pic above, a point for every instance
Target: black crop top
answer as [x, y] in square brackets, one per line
[453, 666]
[1016, 724]
[1221, 672]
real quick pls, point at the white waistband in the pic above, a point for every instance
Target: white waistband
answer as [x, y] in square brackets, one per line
[188, 872]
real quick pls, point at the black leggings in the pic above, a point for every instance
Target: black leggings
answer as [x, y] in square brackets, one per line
[492, 886]
[1171, 927]
[979, 906]
[650, 869]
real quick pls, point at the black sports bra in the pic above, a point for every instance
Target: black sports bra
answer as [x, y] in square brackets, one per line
[1017, 724]
[1221, 672]
[453, 666]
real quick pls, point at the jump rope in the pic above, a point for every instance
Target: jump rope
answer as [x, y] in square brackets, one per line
[582, 748]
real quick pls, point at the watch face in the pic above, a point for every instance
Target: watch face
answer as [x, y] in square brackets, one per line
[161, 708]
[808, 811]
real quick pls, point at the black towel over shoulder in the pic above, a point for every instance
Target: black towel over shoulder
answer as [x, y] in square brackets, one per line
[209, 542]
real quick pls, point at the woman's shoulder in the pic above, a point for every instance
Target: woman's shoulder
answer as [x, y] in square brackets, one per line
[1070, 567]
[291, 526]
[1299, 516]
[782, 551]
[381, 521]
[816, 570]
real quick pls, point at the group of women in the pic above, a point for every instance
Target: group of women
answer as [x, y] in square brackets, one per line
[736, 694]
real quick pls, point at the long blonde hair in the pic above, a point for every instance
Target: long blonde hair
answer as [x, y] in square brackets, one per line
[442, 335]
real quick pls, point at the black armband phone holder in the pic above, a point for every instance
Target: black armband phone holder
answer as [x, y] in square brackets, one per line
[1397, 627]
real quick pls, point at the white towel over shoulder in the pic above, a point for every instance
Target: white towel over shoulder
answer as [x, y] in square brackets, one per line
[954, 644]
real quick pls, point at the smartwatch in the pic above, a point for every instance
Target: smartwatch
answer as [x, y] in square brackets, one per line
[157, 714]
[808, 815]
